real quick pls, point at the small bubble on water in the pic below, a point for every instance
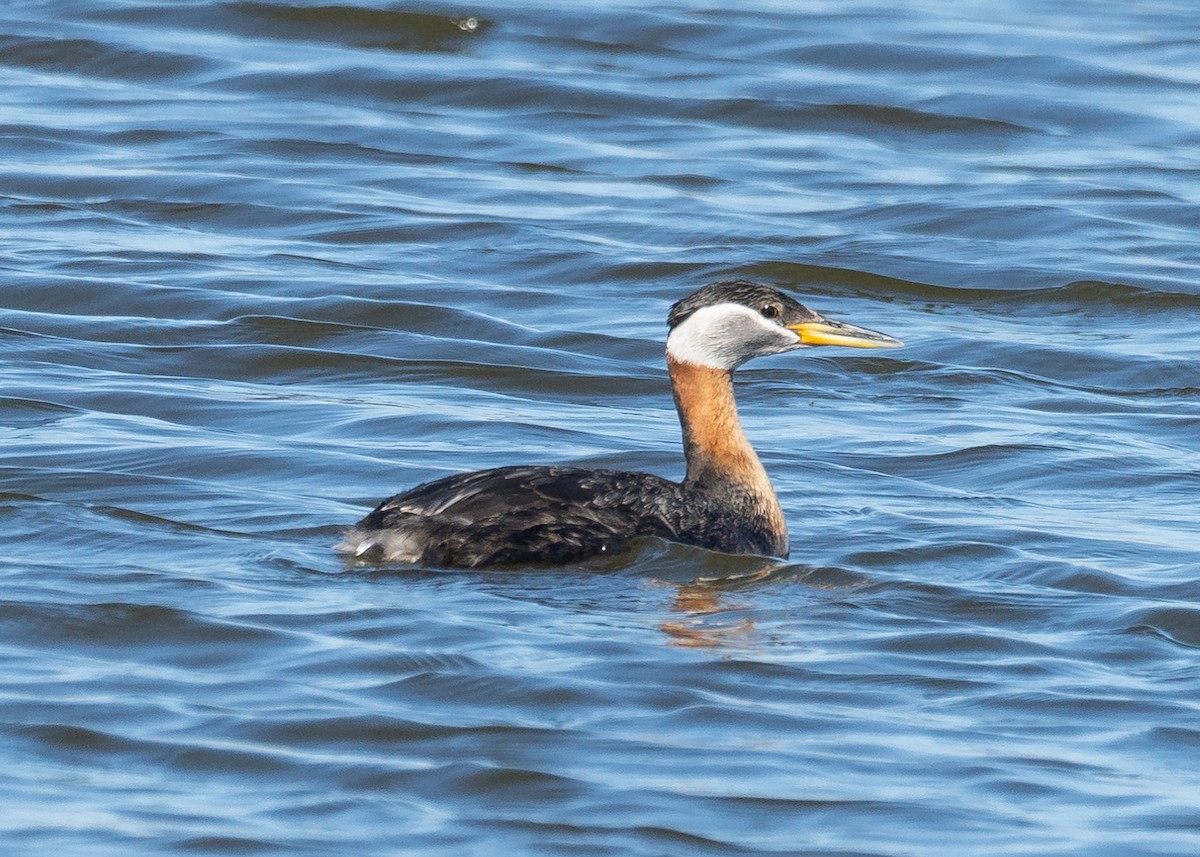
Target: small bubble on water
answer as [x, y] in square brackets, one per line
[468, 25]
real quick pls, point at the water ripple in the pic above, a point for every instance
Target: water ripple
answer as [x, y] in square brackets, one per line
[266, 263]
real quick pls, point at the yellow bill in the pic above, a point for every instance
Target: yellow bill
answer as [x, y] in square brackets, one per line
[825, 331]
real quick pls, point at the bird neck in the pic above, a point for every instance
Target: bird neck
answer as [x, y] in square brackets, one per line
[719, 457]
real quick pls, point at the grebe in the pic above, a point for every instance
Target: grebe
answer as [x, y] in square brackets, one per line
[524, 515]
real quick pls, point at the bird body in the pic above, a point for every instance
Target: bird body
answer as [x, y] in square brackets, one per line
[549, 514]
[557, 514]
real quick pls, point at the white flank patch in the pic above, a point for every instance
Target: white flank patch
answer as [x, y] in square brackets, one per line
[393, 545]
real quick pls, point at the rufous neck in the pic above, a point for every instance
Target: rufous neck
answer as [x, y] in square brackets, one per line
[714, 444]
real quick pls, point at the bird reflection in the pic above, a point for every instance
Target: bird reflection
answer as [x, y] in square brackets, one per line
[715, 612]
[707, 618]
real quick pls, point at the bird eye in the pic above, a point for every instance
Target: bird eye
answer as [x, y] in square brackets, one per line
[770, 311]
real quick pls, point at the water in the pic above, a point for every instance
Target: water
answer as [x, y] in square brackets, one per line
[264, 264]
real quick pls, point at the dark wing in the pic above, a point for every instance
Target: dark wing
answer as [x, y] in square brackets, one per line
[520, 515]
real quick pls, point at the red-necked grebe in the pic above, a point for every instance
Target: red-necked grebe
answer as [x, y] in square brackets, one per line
[531, 514]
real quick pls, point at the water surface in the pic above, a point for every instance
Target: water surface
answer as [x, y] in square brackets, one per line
[263, 264]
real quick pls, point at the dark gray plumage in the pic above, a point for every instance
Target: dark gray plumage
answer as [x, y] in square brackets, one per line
[516, 515]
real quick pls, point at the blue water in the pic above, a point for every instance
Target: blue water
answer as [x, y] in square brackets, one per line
[263, 264]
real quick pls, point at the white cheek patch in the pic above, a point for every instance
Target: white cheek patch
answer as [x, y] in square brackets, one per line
[725, 336]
